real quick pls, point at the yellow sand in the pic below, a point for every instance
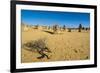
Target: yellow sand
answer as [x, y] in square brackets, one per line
[64, 45]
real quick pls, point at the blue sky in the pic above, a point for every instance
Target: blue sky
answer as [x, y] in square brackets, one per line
[47, 18]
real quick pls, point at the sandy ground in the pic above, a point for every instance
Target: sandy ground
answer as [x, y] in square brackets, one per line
[64, 46]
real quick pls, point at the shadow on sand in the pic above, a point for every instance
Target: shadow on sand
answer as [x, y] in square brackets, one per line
[48, 32]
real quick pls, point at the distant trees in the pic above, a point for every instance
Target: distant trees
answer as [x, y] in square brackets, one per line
[55, 28]
[58, 29]
[83, 28]
[80, 27]
[36, 26]
[64, 27]
[87, 29]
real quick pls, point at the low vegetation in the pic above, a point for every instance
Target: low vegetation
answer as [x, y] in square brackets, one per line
[39, 46]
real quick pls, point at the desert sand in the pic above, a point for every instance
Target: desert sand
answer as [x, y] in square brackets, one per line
[64, 46]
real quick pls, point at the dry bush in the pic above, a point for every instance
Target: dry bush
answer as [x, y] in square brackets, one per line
[39, 46]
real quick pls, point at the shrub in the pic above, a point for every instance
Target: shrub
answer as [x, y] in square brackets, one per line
[80, 27]
[64, 27]
[39, 46]
[55, 28]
